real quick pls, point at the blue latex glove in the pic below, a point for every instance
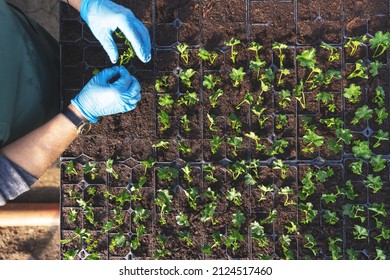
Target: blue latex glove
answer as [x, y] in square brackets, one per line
[101, 98]
[104, 17]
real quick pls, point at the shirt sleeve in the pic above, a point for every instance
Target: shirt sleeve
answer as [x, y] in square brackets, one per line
[14, 180]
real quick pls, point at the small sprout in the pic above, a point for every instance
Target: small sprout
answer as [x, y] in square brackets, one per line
[161, 144]
[327, 99]
[166, 101]
[279, 47]
[163, 200]
[186, 123]
[311, 244]
[212, 119]
[234, 239]
[235, 122]
[255, 47]
[70, 168]
[258, 145]
[286, 191]
[300, 94]
[357, 167]
[184, 52]
[360, 70]
[110, 169]
[188, 99]
[187, 174]
[184, 148]
[374, 68]
[161, 84]
[312, 140]
[234, 196]
[334, 248]
[208, 171]
[285, 98]
[360, 232]
[333, 53]
[235, 142]
[207, 56]
[162, 251]
[361, 149]
[210, 82]
[215, 143]
[231, 43]
[308, 211]
[214, 97]
[380, 43]
[279, 165]
[238, 219]
[352, 93]
[380, 136]
[258, 234]
[381, 115]
[248, 98]
[354, 42]
[182, 220]
[186, 75]
[207, 214]
[237, 76]
[378, 163]
[373, 183]
[167, 173]
[281, 121]
[330, 217]
[164, 119]
[185, 236]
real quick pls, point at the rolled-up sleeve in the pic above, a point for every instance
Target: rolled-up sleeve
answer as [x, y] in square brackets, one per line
[13, 180]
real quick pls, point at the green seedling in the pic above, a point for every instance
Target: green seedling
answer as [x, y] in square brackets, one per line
[311, 244]
[360, 70]
[207, 56]
[187, 171]
[333, 52]
[234, 196]
[182, 220]
[186, 123]
[128, 53]
[352, 93]
[355, 211]
[362, 113]
[164, 120]
[348, 191]
[234, 239]
[373, 183]
[186, 76]
[238, 219]
[334, 248]
[72, 215]
[381, 115]
[374, 68]
[308, 212]
[258, 234]
[160, 85]
[214, 97]
[279, 165]
[119, 240]
[162, 251]
[361, 149]
[292, 228]
[378, 163]
[279, 47]
[255, 47]
[272, 216]
[166, 101]
[287, 191]
[71, 169]
[360, 232]
[256, 66]
[236, 124]
[136, 240]
[140, 215]
[237, 76]
[312, 140]
[184, 52]
[110, 169]
[327, 99]
[207, 213]
[188, 99]
[278, 147]
[380, 43]
[284, 98]
[330, 217]
[248, 99]
[185, 236]
[192, 195]
[210, 82]
[258, 145]
[281, 121]
[233, 52]
[285, 242]
[163, 200]
[258, 111]
[376, 211]
[215, 143]
[236, 142]
[208, 171]
[161, 144]
[354, 42]
[380, 136]
[357, 167]
[212, 120]
[91, 169]
[300, 94]
[167, 173]
[182, 147]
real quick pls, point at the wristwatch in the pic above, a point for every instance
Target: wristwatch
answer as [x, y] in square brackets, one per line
[83, 126]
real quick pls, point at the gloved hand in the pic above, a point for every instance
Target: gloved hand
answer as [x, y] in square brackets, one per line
[101, 98]
[104, 17]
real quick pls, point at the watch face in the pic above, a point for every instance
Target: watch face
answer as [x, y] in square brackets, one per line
[84, 128]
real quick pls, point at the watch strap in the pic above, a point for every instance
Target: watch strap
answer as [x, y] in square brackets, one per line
[72, 117]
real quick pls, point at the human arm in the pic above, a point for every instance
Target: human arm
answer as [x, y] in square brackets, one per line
[104, 17]
[35, 152]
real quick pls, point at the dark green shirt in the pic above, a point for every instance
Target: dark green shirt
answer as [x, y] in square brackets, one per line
[29, 74]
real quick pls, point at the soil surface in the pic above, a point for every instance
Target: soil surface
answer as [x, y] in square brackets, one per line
[132, 138]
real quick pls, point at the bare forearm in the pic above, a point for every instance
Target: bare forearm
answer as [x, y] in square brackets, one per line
[38, 150]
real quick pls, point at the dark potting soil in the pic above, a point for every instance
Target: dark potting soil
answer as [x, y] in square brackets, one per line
[129, 138]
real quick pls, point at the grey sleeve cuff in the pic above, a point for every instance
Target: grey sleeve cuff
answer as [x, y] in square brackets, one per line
[13, 180]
